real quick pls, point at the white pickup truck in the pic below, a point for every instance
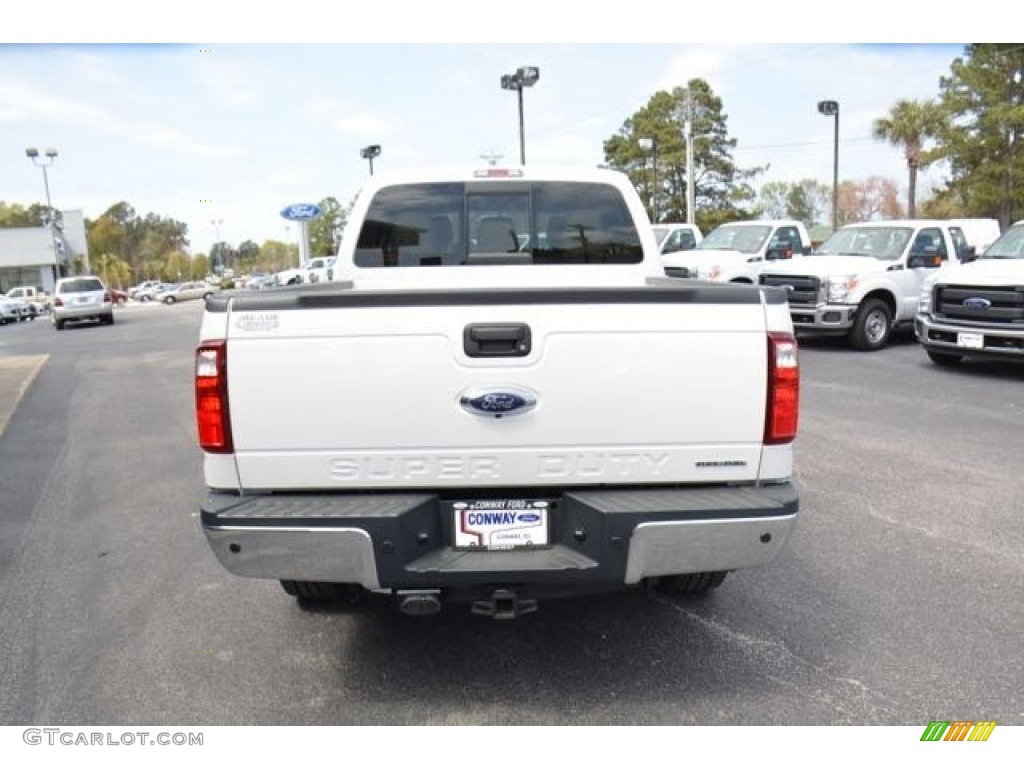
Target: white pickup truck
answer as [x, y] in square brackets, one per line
[674, 237]
[976, 309]
[496, 425]
[319, 270]
[31, 301]
[865, 279]
[736, 252]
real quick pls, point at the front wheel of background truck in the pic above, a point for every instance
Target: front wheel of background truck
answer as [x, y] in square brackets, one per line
[316, 594]
[944, 358]
[872, 326]
[692, 583]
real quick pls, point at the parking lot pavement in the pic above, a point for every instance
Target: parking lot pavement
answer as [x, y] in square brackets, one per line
[16, 374]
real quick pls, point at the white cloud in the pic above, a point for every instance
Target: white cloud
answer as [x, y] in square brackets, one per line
[363, 124]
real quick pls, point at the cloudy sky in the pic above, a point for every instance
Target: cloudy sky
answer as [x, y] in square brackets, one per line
[234, 131]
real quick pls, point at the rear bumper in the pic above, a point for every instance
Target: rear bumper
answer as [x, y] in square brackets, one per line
[82, 313]
[603, 539]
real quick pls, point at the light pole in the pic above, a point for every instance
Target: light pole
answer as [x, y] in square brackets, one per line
[220, 248]
[524, 77]
[691, 193]
[33, 154]
[370, 152]
[831, 109]
[650, 144]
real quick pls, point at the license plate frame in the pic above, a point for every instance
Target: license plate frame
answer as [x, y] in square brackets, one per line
[970, 340]
[501, 525]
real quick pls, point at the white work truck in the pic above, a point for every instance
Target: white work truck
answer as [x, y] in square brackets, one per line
[319, 270]
[31, 301]
[865, 279]
[736, 252]
[976, 309]
[673, 237]
[497, 425]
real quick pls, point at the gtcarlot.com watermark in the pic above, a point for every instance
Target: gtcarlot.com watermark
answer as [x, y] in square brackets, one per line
[62, 737]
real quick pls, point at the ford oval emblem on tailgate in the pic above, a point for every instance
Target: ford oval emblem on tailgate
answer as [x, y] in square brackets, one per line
[496, 403]
[976, 302]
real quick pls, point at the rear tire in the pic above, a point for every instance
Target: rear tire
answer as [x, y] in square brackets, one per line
[58, 324]
[319, 594]
[692, 583]
[169, 300]
[945, 359]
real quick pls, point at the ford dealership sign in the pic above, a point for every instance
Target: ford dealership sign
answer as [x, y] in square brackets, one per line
[301, 212]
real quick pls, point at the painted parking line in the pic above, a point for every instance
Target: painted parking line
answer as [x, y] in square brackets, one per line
[16, 376]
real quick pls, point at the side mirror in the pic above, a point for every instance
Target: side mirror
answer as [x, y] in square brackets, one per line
[969, 255]
[928, 259]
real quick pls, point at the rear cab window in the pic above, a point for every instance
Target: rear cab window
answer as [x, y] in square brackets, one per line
[480, 223]
[963, 250]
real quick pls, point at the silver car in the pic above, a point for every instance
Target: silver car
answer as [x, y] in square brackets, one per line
[81, 298]
[184, 292]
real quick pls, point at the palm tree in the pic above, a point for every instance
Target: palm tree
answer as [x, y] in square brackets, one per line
[908, 125]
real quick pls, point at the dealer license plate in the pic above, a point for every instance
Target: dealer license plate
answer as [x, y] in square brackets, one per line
[500, 524]
[970, 340]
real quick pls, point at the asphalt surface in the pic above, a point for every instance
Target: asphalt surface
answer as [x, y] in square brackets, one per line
[897, 601]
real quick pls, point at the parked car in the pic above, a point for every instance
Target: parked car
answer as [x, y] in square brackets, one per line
[119, 297]
[84, 297]
[976, 309]
[32, 300]
[146, 286]
[10, 311]
[185, 291]
[737, 251]
[146, 294]
[677, 237]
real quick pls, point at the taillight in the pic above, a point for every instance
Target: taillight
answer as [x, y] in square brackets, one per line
[781, 415]
[212, 397]
[57, 302]
[106, 298]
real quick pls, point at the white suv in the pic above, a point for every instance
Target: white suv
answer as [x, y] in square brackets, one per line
[81, 298]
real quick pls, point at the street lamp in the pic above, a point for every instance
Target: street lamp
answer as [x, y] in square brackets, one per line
[831, 109]
[215, 223]
[650, 144]
[370, 152]
[524, 77]
[33, 154]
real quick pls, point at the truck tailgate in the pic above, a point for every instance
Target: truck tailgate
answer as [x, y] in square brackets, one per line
[369, 396]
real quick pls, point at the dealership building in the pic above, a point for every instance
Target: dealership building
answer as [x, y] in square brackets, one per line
[28, 255]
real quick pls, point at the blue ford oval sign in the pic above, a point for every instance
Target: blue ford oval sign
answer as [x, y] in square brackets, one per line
[977, 302]
[497, 402]
[301, 212]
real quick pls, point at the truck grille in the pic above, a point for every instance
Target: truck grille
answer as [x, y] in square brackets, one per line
[996, 305]
[802, 290]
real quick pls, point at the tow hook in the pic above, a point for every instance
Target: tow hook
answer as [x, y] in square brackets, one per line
[504, 604]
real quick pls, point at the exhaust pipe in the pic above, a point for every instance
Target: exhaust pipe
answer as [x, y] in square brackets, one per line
[420, 604]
